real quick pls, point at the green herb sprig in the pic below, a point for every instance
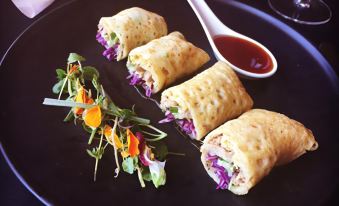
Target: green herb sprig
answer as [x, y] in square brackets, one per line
[110, 127]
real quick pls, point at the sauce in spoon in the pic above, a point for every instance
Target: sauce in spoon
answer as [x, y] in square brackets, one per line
[246, 56]
[243, 54]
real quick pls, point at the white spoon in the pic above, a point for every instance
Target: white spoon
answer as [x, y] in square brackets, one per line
[214, 27]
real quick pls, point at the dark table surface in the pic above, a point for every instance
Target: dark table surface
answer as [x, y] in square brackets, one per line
[13, 22]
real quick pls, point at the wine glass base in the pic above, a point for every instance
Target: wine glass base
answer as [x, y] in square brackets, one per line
[317, 13]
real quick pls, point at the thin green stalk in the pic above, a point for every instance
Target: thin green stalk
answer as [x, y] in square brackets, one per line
[195, 146]
[92, 136]
[69, 87]
[140, 120]
[63, 86]
[80, 66]
[95, 169]
[69, 116]
[117, 170]
[159, 136]
[175, 153]
[155, 129]
[100, 143]
[97, 158]
[141, 180]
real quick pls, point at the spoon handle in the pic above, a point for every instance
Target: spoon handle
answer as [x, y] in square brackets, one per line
[209, 21]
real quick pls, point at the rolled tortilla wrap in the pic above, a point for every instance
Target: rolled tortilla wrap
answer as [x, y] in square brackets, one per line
[207, 100]
[164, 60]
[238, 154]
[128, 29]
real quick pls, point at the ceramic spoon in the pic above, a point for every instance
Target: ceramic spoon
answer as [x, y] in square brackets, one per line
[214, 27]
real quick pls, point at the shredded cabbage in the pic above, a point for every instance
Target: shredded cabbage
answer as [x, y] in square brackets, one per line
[135, 79]
[111, 46]
[111, 53]
[223, 174]
[186, 125]
[169, 118]
[101, 39]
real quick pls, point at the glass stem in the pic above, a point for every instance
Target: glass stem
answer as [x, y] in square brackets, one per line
[303, 4]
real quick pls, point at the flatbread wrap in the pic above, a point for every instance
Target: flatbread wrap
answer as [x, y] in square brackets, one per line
[206, 101]
[162, 61]
[239, 153]
[128, 29]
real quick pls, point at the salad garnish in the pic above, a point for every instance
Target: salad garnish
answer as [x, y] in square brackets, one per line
[136, 143]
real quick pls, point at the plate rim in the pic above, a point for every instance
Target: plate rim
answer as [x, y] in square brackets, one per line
[311, 49]
[2, 148]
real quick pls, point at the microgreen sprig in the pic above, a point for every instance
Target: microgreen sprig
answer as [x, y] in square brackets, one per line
[120, 129]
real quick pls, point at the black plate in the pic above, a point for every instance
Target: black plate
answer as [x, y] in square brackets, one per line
[49, 156]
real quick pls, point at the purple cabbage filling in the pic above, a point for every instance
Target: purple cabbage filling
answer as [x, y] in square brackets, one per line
[110, 53]
[148, 90]
[220, 171]
[135, 80]
[186, 125]
[101, 39]
[169, 118]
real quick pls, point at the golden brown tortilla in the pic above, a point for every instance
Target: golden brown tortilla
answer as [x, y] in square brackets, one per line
[166, 59]
[256, 142]
[209, 99]
[134, 27]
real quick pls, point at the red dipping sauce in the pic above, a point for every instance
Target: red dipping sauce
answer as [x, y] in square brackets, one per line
[244, 54]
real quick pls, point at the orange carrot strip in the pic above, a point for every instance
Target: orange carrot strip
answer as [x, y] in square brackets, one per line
[133, 144]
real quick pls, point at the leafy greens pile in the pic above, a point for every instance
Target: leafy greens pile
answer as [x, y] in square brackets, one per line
[110, 126]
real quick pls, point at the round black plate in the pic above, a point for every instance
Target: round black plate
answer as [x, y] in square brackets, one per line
[49, 156]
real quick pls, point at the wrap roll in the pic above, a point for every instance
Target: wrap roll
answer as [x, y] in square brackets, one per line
[206, 101]
[238, 154]
[164, 60]
[128, 29]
